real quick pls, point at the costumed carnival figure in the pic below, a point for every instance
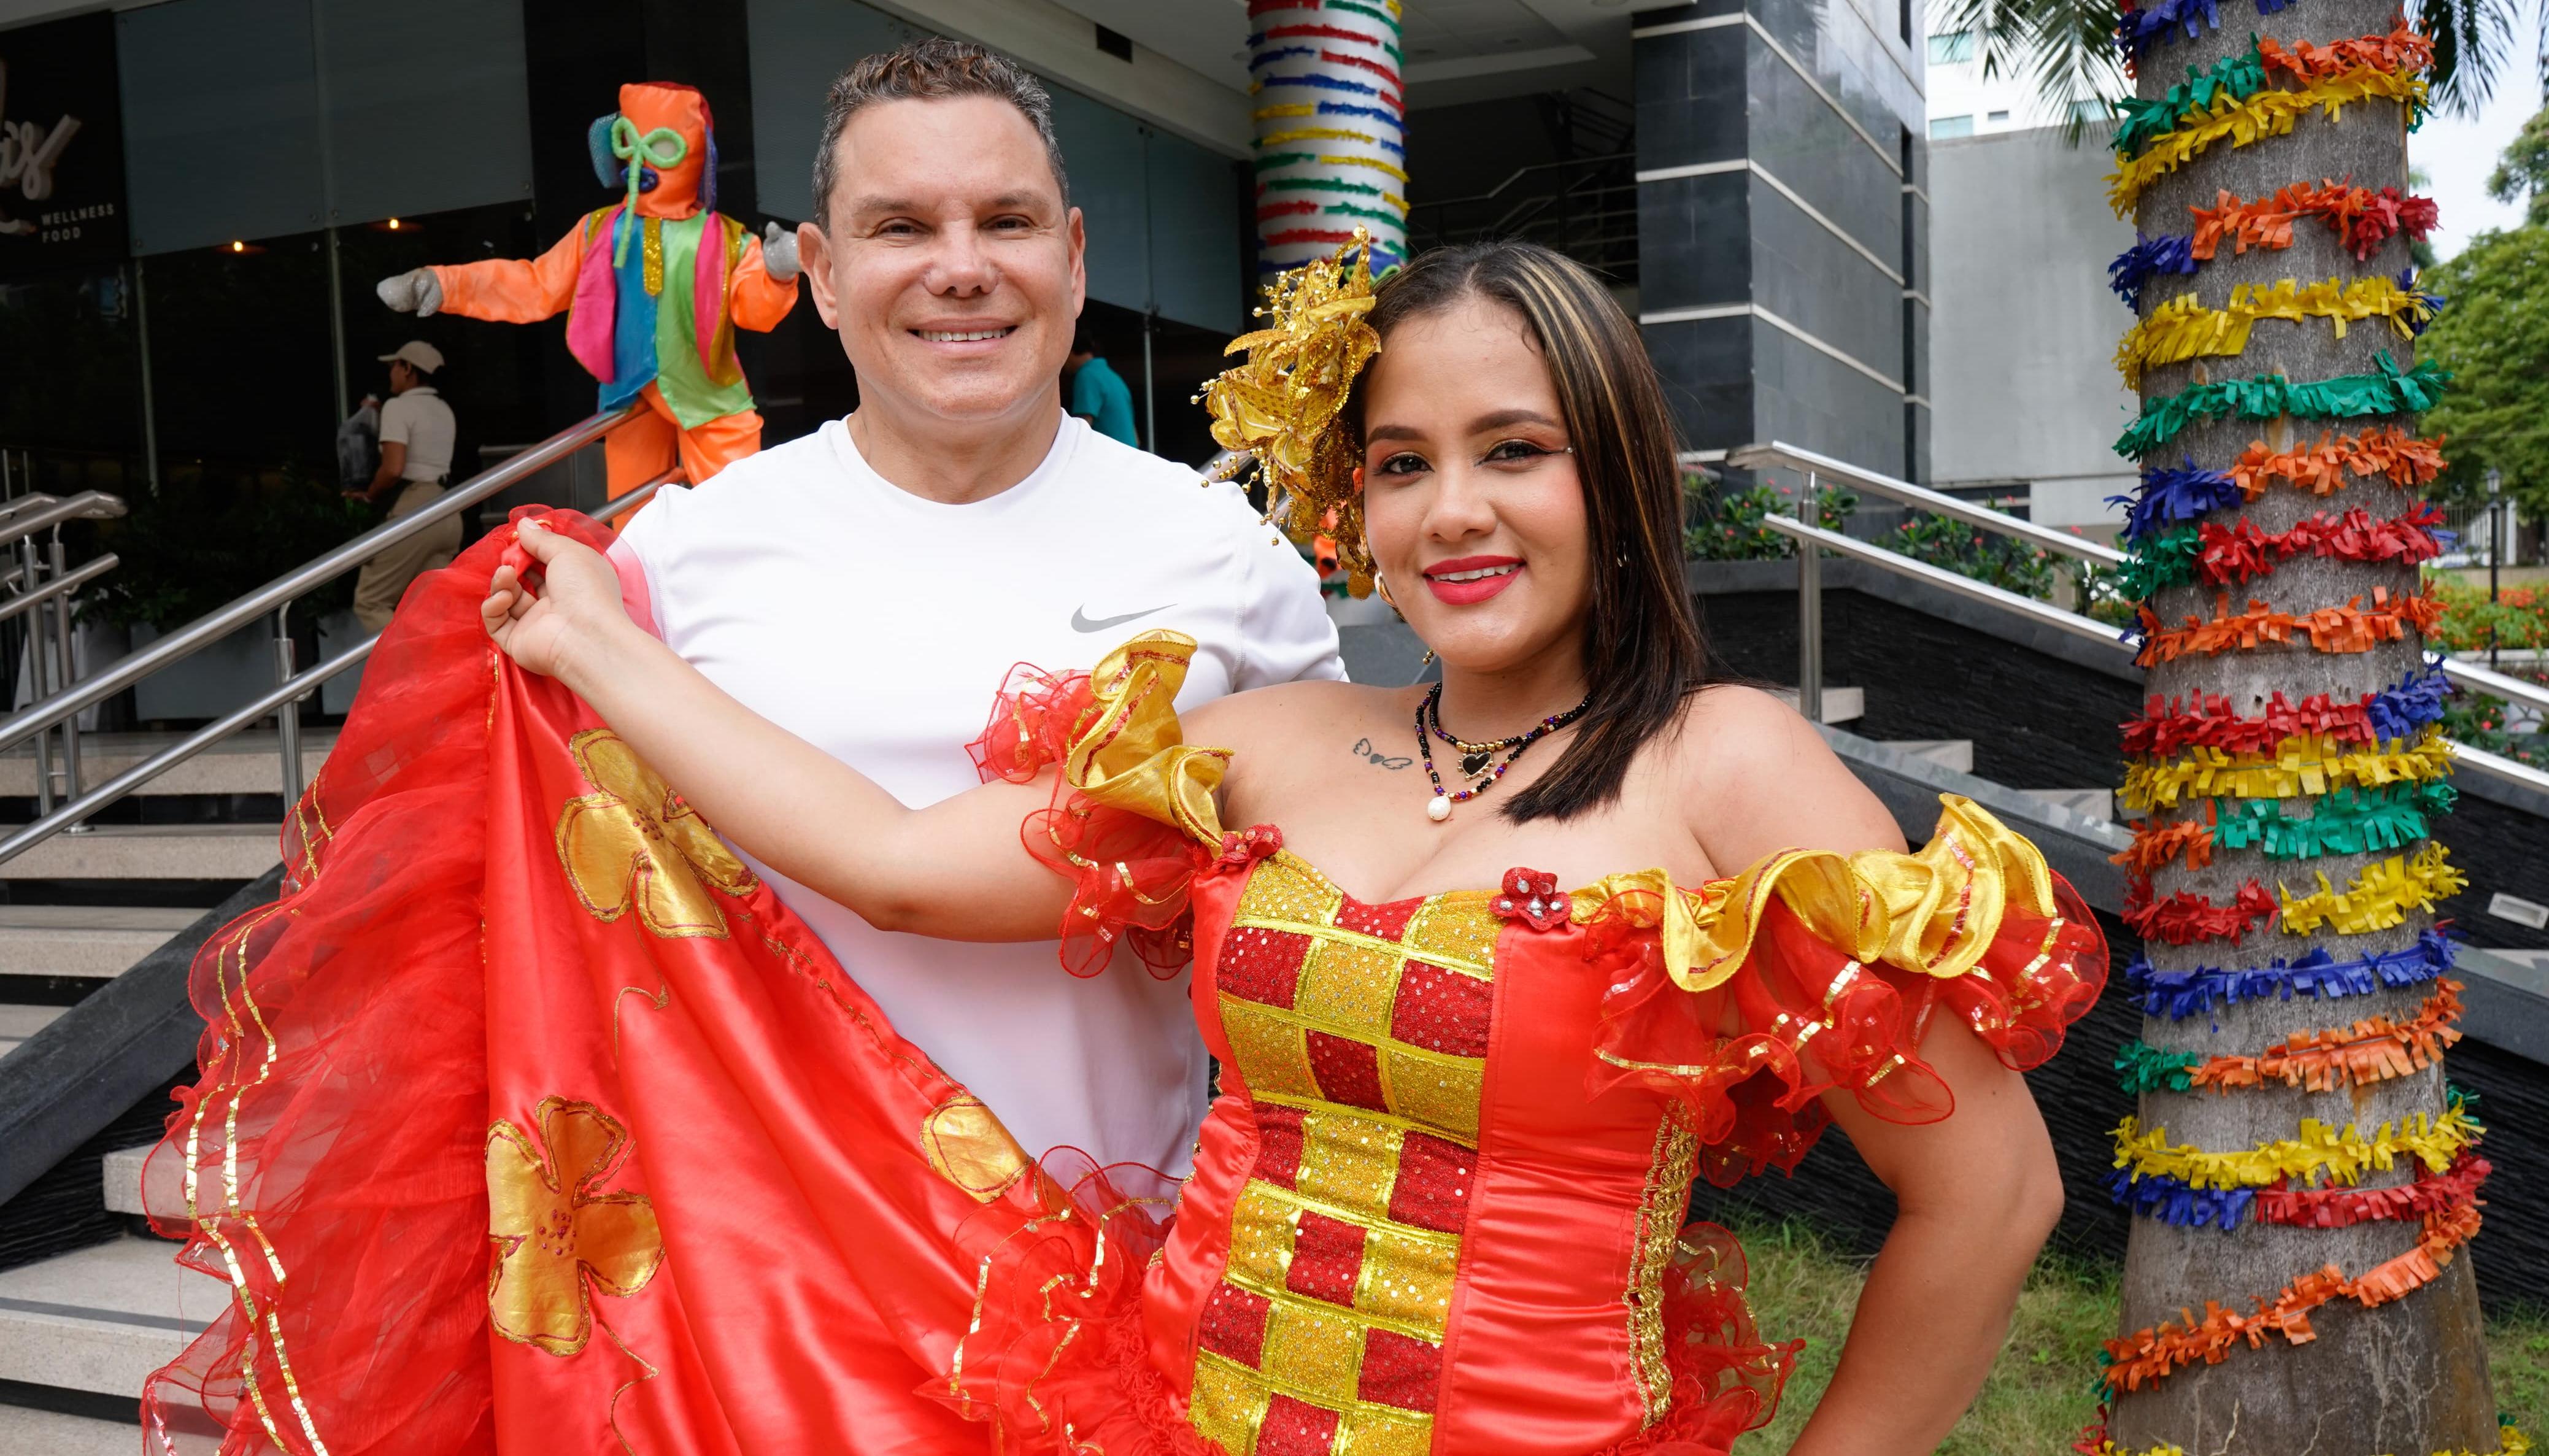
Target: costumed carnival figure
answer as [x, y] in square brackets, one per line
[653, 288]
[573, 1138]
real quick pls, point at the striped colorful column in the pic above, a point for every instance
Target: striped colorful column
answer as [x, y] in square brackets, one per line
[1331, 129]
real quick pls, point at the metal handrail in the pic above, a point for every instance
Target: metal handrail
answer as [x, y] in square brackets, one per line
[1754, 457]
[211, 627]
[1810, 625]
[291, 690]
[85, 505]
[1493, 193]
[72, 580]
[1819, 466]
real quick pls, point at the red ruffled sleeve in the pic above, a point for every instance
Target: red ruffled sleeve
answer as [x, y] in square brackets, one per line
[1750, 998]
[1132, 820]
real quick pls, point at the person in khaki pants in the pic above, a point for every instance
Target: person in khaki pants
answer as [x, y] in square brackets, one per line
[415, 459]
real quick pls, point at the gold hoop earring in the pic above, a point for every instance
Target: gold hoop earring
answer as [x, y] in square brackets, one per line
[1381, 587]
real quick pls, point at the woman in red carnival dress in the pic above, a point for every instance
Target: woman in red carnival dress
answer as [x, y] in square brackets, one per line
[1492, 970]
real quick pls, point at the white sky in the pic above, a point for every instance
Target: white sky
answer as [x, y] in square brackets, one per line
[2458, 155]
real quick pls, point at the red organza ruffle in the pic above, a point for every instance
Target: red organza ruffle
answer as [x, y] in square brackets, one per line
[1129, 873]
[328, 1099]
[1752, 1057]
[1058, 1361]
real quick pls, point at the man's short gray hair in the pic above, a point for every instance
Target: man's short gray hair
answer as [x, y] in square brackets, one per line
[933, 69]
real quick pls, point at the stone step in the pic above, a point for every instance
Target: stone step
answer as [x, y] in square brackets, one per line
[2089, 803]
[46, 1433]
[123, 1175]
[101, 1318]
[18, 1023]
[95, 940]
[1841, 705]
[152, 852]
[1946, 753]
[249, 762]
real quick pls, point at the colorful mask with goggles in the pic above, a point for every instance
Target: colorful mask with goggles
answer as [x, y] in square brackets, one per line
[660, 148]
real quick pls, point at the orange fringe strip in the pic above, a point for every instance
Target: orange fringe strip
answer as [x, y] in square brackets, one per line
[2155, 846]
[2352, 627]
[2390, 452]
[2149, 1355]
[2403, 49]
[2363, 218]
[2372, 1050]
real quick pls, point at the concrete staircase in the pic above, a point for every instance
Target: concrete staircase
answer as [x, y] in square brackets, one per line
[1958, 754]
[79, 1331]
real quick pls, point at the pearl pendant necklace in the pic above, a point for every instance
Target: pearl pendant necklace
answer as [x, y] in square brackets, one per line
[1478, 759]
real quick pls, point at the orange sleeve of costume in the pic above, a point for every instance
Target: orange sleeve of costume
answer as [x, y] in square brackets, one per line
[758, 300]
[509, 290]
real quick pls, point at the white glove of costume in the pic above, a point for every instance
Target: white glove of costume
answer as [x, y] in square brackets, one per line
[779, 254]
[416, 292]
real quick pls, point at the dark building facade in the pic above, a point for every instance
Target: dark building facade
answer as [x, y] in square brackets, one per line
[1782, 226]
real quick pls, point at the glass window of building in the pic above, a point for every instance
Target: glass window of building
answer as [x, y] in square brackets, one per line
[1941, 127]
[1952, 48]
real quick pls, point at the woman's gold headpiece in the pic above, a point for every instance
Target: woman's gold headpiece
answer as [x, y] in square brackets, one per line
[1282, 405]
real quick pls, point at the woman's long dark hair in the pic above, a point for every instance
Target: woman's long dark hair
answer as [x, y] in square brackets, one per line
[1643, 649]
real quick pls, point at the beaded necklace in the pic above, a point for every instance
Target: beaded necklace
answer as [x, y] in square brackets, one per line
[1479, 762]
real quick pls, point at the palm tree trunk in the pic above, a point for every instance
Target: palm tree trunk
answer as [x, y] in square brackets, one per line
[2408, 1377]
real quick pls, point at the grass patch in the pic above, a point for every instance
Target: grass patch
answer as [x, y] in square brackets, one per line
[2037, 1400]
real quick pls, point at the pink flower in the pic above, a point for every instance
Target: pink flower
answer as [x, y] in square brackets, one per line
[1530, 896]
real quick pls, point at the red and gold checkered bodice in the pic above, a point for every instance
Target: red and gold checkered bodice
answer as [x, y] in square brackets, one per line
[1404, 1190]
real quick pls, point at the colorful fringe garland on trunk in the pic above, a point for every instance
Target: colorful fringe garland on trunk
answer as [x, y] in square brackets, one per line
[2094, 1442]
[2388, 452]
[2339, 1154]
[2343, 1207]
[2184, 918]
[2209, 93]
[2380, 896]
[2352, 627]
[2147, 1355]
[2343, 821]
[2139, 26]
[2266, 114]
[2305, 764]
[2179, 994]
[2388, 391]
[2167, 726]
[2361, 218]
[2372, 1050]
[2212, 555]
[2183, 328]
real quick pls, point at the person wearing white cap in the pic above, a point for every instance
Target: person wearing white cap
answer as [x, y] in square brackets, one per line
[417, 431]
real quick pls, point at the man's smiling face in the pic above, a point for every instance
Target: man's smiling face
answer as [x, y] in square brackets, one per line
[951, 267]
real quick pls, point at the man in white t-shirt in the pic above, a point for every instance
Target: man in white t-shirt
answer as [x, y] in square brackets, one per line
[417, 431]
[870, 586]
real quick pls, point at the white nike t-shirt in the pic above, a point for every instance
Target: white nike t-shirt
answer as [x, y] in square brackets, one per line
[878, 626]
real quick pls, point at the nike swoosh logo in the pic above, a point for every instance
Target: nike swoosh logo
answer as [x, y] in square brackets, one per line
[1080, 622]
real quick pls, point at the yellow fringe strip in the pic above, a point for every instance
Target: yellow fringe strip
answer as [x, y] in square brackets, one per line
[2380, 896]
[2511, 1442]
[2183, 328]
[2342, 1154]
[2305, 764]
[2266, 114]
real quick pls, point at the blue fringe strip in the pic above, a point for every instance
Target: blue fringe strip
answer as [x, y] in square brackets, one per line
[2152, 21]
[2172, 1202]
[2147, 258]
[2412, 703]
[2433, 302]
[2168, 496]
[2179, 994]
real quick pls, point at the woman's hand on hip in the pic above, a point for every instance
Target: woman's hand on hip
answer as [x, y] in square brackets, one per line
[575, 615]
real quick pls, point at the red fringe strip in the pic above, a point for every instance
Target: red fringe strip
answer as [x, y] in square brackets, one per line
[2403, 49]
[2352, 627]
[2389, 452]
[2187, 917]
[2372, 1050]
[2168, 728]
[2343, 1207]
[2233, 555]
[2150, 1355]
[2362, 218]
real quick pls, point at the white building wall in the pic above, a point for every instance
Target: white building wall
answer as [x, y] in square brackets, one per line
[2022, 343]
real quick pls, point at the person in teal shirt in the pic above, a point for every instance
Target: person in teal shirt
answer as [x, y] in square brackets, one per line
[1098, 394]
